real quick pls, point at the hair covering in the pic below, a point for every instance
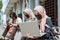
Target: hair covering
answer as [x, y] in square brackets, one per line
[29, 12]
[41, 11]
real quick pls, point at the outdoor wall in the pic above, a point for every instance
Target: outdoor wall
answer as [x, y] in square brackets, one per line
[58, 12]
[37, 2]
[4, 5]
[32, 4]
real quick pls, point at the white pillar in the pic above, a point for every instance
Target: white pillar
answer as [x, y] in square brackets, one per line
[58, 12]
[29, 3]
[18, 9]
[4, 19]
[36, 2]
[32, 4]
[4, 3]
[22, 10]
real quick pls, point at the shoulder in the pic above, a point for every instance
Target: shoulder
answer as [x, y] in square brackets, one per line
[19, 19]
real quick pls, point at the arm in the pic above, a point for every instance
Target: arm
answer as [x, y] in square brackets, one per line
[42, 24]
[17, 22]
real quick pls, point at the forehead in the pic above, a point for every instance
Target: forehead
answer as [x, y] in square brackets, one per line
[25, 12]
[35, 11]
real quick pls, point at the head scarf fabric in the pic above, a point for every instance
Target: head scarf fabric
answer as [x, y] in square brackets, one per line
[29, 12]
[41, 11]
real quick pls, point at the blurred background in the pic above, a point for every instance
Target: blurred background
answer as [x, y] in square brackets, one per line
[52, 8]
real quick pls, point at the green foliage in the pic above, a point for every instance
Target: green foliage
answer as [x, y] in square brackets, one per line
[0, 4]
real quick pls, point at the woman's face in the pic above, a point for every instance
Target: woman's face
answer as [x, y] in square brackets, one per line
[26, 14]
[35, 12]
[11, 16]
[37, 15]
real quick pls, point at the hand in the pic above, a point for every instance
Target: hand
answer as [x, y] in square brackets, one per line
[29, 35]
[11, 25]
[42, 29]
[3, 37]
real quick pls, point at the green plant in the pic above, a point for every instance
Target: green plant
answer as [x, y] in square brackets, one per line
[0, 4]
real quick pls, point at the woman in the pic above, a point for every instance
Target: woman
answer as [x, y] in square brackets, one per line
[40, 14]
[29, 15]
[16, 33]
[39, 10]
[43, 19]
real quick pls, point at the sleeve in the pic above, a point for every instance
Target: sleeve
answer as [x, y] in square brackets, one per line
[42, 24]
[18, 21]
[49, 22]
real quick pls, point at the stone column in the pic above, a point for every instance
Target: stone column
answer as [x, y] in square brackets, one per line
[58, 12]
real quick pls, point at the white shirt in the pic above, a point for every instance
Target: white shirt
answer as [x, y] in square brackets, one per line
[18, 20]
[18, 35]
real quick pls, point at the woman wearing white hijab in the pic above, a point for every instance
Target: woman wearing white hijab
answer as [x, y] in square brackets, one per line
[43, 19]
[29, 15]
[40, 13]
[39, 10]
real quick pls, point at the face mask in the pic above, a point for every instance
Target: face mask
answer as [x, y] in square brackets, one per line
[27, 15]
[38, 16]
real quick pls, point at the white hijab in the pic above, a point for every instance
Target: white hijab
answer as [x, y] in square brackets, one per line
[41, 11]
[29, 12]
